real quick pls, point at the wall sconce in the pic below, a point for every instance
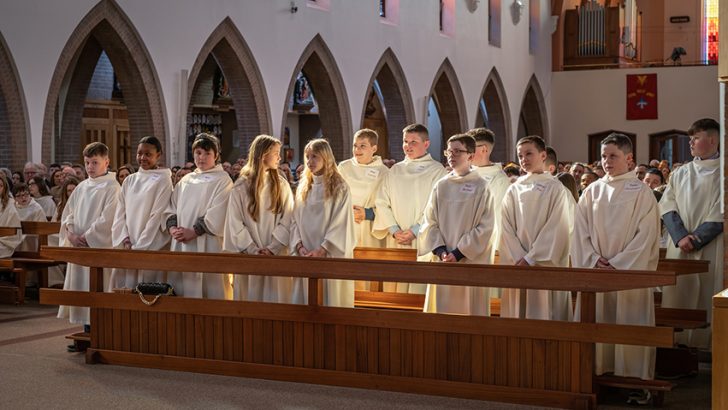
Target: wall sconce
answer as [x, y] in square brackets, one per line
[473, 5]
[294, 8]
[517, 10]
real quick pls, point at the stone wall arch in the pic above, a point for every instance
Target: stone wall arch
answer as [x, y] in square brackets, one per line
[493, 113]
[14, 125]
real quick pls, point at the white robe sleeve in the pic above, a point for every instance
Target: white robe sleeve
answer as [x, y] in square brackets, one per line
[430, 229]
[648, 236]
[472, 243]
[340, 237]
[215, 215]
[511, 250]
[98, 233]
[281, 233]
[155, 217]
[9, 218]
[583, 254]
[551, 238]
[237, 238]
[119, 230]
[385, 216]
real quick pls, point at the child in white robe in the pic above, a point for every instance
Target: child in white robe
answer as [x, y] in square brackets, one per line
[617, 227]
[86, 222]
[139, 215]
[323, 224]
[8, 218]
[28, 208]
[56, 273]
[402, 198]
[364, 173]
[258, 221]
[196, 219]
[39, 191]
[536, 221]
[458, 228]
[692, 210]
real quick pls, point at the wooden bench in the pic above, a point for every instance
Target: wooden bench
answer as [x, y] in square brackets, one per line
[532, 362]
[23, 262]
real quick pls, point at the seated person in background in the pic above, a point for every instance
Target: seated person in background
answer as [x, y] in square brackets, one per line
[587, 178]
[8, 218]
[653, 178]
[39, 191]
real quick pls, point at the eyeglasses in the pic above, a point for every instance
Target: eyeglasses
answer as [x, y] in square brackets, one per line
[455, 152]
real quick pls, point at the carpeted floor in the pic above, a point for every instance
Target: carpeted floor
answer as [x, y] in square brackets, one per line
[37, 372]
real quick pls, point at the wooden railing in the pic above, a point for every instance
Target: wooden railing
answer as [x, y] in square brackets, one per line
[720, 350]
[513, 360]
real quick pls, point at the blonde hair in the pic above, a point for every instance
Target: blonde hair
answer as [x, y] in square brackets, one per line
[255, 176]
[333, 181]
[5, 195]
[64, 195]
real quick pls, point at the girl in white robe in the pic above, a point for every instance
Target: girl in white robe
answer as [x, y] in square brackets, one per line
[196, 219]
[86, 222]
[537, 219]
[8, 218]
[258, 221]
[323, 224]
[139, 215]
[617, 227]
[56, 273]
[458, 227]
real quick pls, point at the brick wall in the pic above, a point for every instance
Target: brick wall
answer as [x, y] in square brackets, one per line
[14, 134]
[6, 155]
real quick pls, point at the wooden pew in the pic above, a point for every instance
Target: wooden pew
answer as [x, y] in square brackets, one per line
[720, 350]
[512, 360]
[376, 298]
[23, 262]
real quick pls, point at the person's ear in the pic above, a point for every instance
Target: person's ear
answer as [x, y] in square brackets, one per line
[374, 149]
[630, 157]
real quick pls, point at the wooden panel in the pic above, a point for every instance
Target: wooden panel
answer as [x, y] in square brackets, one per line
[476, 369]
[720, 350]
[258, 342]
[218, 338]
[384, 351]
[525, 363]
[162, 333]
[319, 358]
[406, 353]
[209, 336]
[340, 347]
[489, 365]
[334, 378]
[277, 342]
[108, 327]
[350, 348]
[288, 343]
[395, 352]
[538, 379]
[238, 340]
[190, 350]
[362, 360]
[248, 341]
[330, 349]
[199, 333]
[181, 336]
[298, 344]
[116, 324]
[501, 361]
[134, 331]
[513, 359]
[429, 364]
[418, 354]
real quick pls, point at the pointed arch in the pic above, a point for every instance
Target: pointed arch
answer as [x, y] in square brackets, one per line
[14, 126]
[493, 113]
[319, 66]
[397, 100]
[533, 119]
[105, 28]
[449, 100]
[231, 53]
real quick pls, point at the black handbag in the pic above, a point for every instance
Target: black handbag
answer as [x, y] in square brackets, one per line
[153, 288]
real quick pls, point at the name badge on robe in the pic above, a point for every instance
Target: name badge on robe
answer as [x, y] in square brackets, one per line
[488, 178]
[420, 168]
[154, 177]
[706, 171]
[467, 189]
[206, 178]
[102, 185]
[372, 173]
[633, 186]
[539, 187]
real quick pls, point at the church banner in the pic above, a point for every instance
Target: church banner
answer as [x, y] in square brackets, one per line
[641, 96]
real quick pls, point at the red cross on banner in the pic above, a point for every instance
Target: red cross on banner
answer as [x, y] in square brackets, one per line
[641, 96]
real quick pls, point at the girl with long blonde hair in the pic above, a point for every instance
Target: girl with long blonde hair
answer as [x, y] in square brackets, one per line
[323, 221]
[258, 220]
[9, 218]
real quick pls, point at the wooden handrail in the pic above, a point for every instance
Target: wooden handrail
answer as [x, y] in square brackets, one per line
[40, 228]
[534, 277]
[8, 231]
[476, 325]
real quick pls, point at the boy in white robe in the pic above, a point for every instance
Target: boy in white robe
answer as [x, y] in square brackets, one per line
[402, 198]
[267, 232]
[535, 226]
[139, 214]
[86, 222]
[323, 224]
[458, 227]
[196, 219]
[692, 210]
[28, 208]
[617, 227]
[364, 173]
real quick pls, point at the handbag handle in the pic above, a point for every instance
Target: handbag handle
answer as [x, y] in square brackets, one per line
[148, 303]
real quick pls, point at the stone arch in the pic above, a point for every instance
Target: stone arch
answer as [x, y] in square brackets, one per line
[319, 66]
[228, 49]
[105, 28]
[396, 98]
[14, 126]
[533, 119]
[449, 101]
[493, 113]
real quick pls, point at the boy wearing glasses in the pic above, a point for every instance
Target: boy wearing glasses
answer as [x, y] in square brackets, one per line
[457, 227]
[402, 197]
[537, 219]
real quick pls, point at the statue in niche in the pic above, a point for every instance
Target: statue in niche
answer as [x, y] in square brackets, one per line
[302, 94]
[220, 84]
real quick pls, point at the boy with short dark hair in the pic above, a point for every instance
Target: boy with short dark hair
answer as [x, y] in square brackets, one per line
[692, 211]
[537, 219]
[457, 227]
[86, 222]
[606, 236]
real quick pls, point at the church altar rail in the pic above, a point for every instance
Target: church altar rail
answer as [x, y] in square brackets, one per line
[522, 361]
